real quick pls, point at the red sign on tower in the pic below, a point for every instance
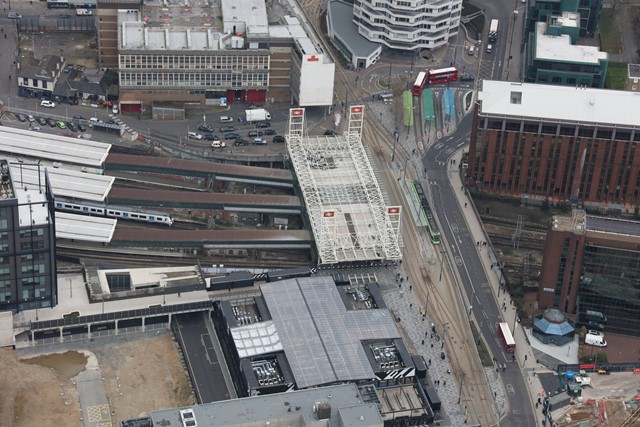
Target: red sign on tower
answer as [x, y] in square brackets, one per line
[297, 112]
[393, 210]
[328, 214]
[312, 58]
[356, 109]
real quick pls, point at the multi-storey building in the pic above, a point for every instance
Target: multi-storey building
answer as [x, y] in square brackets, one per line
[591, 268]
[408, 24]
[556, 143]
[589, 11]
[27, 242]
[553, 58]
[107, 27]
[168, 61]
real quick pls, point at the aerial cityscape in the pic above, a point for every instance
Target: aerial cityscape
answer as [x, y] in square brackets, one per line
[319, 213]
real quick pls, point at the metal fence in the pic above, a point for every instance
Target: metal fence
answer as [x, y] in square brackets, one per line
[99, 334]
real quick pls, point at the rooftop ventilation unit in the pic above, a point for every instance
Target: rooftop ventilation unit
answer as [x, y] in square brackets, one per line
[188, 418]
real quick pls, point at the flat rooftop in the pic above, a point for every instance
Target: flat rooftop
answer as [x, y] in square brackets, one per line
[253, 13]
[613, 226]
[83, 228]
[560, 49]
[321, 338]
[341, 15]
[295, 408]
[30, 199]
[560, 103]
[36, 145]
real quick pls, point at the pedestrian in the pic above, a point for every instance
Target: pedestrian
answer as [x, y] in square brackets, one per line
[445, 383]
[429, 361]
[465, 204]
[411, 305]
[422, 342]
[410, 287]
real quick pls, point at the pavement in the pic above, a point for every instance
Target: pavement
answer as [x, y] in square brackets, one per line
[94, 403]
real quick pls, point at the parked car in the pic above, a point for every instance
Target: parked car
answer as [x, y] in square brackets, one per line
[218, 144]
[466, 78]
[34, 127]
[51, 122]
[259, 141]
[254, 133]
[31, 118]
[115, 109]
[78, 118]
[489, 48]
[82, 128]
[71, 127]
[64, 16]
[194, 135]
[279, 139]
[263, 125]
[240, 142]
[14, 15]
[83, 12]
[472, 50]
[41, 121]
[210, 137]
[61, 124]
[329, 132]
[205, 128]
[270, 132]
[253, 107]
[47, 103]
[226, 119]
[21, 117]
[231, 136]
[227, 129]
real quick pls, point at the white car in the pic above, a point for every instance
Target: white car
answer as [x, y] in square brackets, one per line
[226, 119]
[194, 135]
[218, 144]
[115, 110]
[47, 103]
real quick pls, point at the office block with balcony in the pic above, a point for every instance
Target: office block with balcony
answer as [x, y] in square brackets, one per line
[589, 11]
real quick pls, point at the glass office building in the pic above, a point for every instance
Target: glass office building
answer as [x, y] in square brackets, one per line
[27, 241]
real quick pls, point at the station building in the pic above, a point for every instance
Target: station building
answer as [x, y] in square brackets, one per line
[306, 333]
[556, 143]
[553, 57]
[27, 242]
[591, 269]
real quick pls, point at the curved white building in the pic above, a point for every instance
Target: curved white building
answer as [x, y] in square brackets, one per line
[408, 24]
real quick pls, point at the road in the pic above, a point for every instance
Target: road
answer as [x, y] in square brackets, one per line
[473, 280]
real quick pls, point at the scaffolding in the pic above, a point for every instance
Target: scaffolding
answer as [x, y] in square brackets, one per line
[349, 217]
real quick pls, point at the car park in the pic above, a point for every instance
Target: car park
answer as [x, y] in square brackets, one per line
[194, 135]
[61, 124]
[47, 103]
[14, 15]
[263, 125]
[466, 78]
[240, 142]
[227, 129]
[41, 121]
[51, 122]
[259, 141]
[270, 132]
[205, 128]
[231, 136]
[226, 119]
[218, 144]
[254, 133]
[71, 127]
[21, 117]
[279, 139]
[210, 137]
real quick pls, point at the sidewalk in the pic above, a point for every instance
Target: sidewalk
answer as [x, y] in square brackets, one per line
[524, 353]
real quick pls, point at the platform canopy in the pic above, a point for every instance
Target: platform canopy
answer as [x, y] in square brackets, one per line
[348, 214]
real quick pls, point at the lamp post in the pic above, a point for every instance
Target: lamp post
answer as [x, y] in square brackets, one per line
[461, 384]
[396, 135]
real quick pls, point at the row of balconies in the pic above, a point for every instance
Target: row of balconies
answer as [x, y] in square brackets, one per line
[413, 14]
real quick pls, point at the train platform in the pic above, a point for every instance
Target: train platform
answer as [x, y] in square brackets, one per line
[260, 203]
[199, 168]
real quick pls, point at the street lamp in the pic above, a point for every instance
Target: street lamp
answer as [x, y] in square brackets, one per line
[396, 135]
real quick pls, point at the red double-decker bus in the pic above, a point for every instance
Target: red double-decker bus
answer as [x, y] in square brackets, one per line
[421, 80]
[507, 339]
[443, 75]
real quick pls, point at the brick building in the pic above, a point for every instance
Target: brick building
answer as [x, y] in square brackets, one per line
[591, 269]
[556, 143]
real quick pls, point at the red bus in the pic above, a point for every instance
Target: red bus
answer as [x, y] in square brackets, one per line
[507, 339]
[419, 84]
[443, 75]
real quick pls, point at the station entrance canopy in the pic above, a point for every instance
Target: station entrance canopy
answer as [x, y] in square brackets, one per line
[349, 217]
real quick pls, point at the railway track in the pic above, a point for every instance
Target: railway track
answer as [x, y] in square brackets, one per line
[501, 222]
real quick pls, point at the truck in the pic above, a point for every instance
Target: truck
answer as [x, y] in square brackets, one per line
[257, 115]
[493, 31]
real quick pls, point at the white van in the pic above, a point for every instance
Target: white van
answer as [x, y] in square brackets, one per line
[595, 338]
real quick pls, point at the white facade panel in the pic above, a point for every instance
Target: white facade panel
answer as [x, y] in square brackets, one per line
[316, 81]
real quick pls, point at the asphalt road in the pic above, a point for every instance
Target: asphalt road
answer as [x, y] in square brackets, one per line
[465, 258]
[209, 383]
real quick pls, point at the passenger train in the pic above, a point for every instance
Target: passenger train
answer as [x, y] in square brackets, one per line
[92, 209]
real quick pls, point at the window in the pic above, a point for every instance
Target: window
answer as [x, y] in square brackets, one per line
[516, 97]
